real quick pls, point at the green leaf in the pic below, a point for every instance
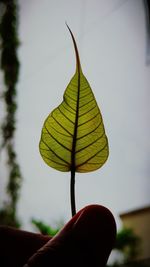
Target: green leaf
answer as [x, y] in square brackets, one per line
[73, 136]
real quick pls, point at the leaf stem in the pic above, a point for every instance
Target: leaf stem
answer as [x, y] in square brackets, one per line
[72, 192]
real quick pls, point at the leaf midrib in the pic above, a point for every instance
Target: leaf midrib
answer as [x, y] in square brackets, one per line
[73, 164]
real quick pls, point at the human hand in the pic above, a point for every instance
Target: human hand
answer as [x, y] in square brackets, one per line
[86, 240]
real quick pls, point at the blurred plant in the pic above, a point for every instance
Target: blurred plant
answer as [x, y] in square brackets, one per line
[9, 64]
[127, 243]
[147, 20]
[46, 229]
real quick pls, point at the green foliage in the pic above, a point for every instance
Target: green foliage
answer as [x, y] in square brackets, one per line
[9, 64]
[44, 228]
[73, 136]
[127, 242]
[8, 217]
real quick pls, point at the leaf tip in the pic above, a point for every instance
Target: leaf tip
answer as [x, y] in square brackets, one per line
[75, 47]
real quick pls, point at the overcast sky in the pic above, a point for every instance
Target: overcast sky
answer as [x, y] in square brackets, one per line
[111, 38]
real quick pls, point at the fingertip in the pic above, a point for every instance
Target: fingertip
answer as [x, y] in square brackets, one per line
[92, 231]
[95, 216]
[95, 231]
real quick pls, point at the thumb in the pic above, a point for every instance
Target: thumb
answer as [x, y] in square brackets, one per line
[86, 240]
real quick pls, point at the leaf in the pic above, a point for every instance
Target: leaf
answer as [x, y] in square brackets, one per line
[73, 136]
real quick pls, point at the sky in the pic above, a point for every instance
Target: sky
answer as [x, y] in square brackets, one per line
[111, 38]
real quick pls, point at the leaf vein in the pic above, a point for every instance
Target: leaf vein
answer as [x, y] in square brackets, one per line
[58, 142]
[88, 111]
[54, 152]
[90, 143]
[90, 131]
[89, 119]
[87, 103]
[69, 105]
[54, 161]
[60, 132]
[61, 125]
[65, 115]
[68, 109]
[70, 97]
[85, 95]
[86, 161]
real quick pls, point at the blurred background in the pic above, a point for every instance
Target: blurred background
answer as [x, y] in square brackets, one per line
[37, 63]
